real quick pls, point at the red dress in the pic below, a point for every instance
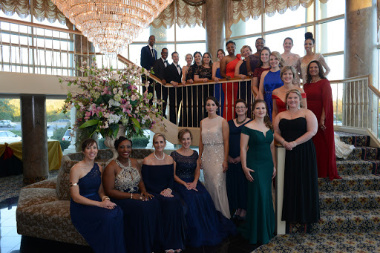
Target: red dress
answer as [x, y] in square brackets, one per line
[319, 95]
[228, 112]
[281, 106]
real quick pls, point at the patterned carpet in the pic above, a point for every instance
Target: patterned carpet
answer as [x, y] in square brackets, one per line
[350, 208]
[324, 243]
[10, 186]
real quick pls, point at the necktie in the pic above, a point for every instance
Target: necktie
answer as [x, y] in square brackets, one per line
[153, 53]
[166, 63]
[179, 70]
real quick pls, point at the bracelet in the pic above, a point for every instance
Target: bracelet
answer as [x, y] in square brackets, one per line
[131, 195]
[105, 197]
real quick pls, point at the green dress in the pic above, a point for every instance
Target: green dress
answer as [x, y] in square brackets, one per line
[260, 223]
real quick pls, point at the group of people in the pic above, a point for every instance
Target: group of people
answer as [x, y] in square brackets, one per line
[162, 205]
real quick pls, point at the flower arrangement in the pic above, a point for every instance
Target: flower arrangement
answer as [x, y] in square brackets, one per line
[107, 98]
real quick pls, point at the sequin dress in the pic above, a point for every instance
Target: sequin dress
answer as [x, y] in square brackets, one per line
[141, 218]
[205, 225]
[212, 163]
[102, 228]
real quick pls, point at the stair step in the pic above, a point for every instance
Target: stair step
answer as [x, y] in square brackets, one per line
[357, 140]
[350, 183]
[344, 221]
[351, 200]
[349, 167]
[363, 153]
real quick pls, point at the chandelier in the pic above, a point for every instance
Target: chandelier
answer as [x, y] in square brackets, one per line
[111, 24]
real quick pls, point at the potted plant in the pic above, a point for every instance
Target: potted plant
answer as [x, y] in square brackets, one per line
[108, 102]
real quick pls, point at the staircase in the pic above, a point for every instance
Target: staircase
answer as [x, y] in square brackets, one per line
[350, 207]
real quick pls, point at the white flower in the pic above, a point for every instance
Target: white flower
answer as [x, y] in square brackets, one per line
[114, 118]
[112, 102]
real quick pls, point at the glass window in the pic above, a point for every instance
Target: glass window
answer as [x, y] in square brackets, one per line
[275, 41]
[10, 121]
[251, 26]
[245, 41]
[330, 9]
[289, 18]
[330, 36]
[336, 64]
[190, 33]
[143, 36]
[162, 34]
[190, 48]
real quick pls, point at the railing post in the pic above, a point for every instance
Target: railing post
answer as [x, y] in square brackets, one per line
[280, 161]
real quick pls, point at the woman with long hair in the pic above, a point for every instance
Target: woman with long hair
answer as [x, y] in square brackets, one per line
[259, 165]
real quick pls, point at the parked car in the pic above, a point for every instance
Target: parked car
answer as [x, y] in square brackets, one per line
[68, 135]
[9, 137]
[7, 123]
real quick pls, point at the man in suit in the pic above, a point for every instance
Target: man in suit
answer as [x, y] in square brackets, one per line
[174, 77]
[159, 69]
[147, 59]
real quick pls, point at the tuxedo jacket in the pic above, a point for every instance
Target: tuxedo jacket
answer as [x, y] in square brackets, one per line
[159, 69]
[146, 59]
[172, 74]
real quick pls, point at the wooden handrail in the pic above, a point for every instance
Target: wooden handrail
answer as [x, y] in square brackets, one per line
[19, 22]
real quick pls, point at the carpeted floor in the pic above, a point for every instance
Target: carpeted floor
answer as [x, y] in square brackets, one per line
[10, 186]
[324, 243]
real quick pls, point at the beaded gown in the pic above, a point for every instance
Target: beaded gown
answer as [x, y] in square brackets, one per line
[212, 163]
[141, 218]
[301, 197]
[102, 228]
[204, 225]
[237, 185]
[156, 179]
[260, 221]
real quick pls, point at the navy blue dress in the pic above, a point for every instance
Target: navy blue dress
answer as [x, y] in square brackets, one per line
[141, 218]
[204, 224]
[272, 81]
[157, 178]
[236, 182]
[102, 228]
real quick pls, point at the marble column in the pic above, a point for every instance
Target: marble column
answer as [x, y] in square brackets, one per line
[215, 25]
[34, 138]
[360, 48]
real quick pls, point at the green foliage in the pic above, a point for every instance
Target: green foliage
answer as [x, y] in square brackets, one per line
[53, 116]
[58, 134]
[140, 141]
[64, 144]
[7, 110]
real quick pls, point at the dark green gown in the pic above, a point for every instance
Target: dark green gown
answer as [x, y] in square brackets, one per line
[260, 223]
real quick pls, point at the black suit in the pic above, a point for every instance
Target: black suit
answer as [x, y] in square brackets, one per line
[175, 93]
[161, 91]
[146, 61]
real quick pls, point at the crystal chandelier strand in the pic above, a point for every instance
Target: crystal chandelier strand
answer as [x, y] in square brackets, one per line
[111, 24]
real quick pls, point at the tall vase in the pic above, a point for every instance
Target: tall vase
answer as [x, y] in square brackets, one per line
[110, 141]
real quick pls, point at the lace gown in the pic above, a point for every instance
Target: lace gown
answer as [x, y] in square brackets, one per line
[156, 179]
[212, 163]
[272, 81]
[205, 225]
[141, 218]
[102, 228]
[204, 91]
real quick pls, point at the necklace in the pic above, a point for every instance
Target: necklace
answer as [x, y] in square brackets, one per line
[240, 122]
[160, 159]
